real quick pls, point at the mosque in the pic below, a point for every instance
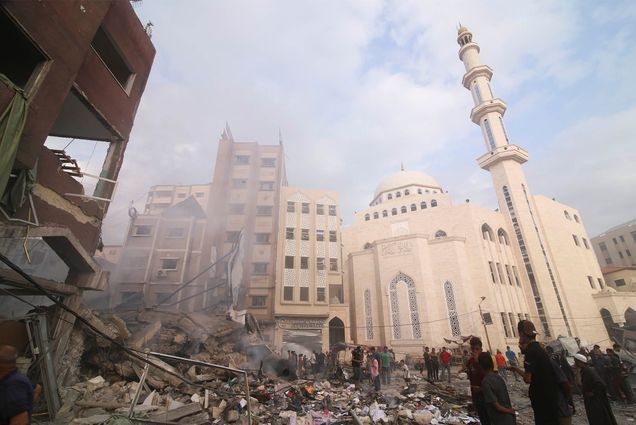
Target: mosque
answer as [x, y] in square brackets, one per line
[422, 271]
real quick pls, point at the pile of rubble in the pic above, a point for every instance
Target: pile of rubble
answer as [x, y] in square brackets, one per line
[174, 390]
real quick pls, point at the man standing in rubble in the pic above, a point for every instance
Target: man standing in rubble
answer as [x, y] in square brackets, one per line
[356, 363]
[16, 391]
[476, 374]
[385, 358]
[445, 360]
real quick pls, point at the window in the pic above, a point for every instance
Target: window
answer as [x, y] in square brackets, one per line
[398, 194]
[175, 232]
[591, 280]
[304, 234]
[288, 293]
[622, 238]
[267, 186]
[514, 271]
[407, 192]
[602, 246]
[600, 282]
[20, 58]
[500, 274]
[289, 233]
[305, 208]
[385, 213]
[236, 208]
[376, 215]
[576, 218]
[333, 264]
[321, 295]
[320, 263]
[304, 293]
[264, 210]
[486, 232]
[239, 183]
[403, 209]
[232, 236]
[585, 243]
[241, 159]
[268, 162]
[503, 238]
[259, 300]
[419, 191]
[332, 236]
[332, 210]
[509, 274]
[262, 238]
[629, 254]
[504, 322]
[440, 234]
[477, 92]
[320, 235]
[181, 195]
[112, 58]
[169, 263]
[423, 205]
[491, 139]
[260, 268]
[304, 263]
[413, 207]
[567, 215]
[620, 254]
[394, 211]
[492, 272]
[389, 196]
[135, 262]
[199, 194]
[367, 217]
[619, 282]
[142, 230]
[609, 261]
[320, 209]
[291, 207]
[614, 240]
[512, 324]
[576, 240]
[433, 203]
[289, 261]
[503, 127]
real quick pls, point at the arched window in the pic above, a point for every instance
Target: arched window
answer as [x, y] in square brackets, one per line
[398, 194]
[486, 232]
[423, 205]
[452, 309]
[367, 217]
[389, 196]
[385, 213]
[567, 215]
[376, 215]
[440, 234]
[394, 211]
[368, 314]
[428, 191]
[403, 209]
[407, 192]
[419, 191]
[503, 237]
[433, 203]
[413, 207]
[414, 317]
[576, 218]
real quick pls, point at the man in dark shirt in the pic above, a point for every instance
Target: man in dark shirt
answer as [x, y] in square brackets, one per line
[476, 374]
[539, 373]
[496, 397]
[16, 391]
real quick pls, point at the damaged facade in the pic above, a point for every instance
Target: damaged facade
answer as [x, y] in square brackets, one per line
[78, 71]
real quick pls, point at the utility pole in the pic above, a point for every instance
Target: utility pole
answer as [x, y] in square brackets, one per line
[483, 322]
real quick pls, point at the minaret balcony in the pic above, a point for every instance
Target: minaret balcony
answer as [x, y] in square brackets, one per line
[492, 105]
[478, 71]
[467, 46]
[502, 153]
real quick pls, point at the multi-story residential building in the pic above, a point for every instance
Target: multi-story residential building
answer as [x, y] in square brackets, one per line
[617, 246]
[310, 307]
[74, 70]
[164, 196]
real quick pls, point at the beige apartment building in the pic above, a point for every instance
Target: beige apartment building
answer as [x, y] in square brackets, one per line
[163, 196]
[310, 311]
[617, 246]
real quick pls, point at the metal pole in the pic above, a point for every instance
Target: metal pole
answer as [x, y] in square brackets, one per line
[48, 371]
[483, 322]
[142, 381]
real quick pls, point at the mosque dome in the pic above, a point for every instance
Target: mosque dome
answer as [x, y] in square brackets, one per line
[405, 178]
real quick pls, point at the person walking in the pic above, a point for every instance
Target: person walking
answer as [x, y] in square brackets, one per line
[16, 391]
[386, 366]
[501, 364]
[445, 359]
[539, 373]
[496, 397]
[435, 364]
[597, 405]
[511, 356]
[375, 373]
[476, 375]
[428, 364]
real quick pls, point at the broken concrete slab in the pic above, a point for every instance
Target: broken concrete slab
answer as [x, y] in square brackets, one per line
[177, 413]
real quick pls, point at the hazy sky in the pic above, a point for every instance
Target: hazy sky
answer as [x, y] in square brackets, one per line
[357, 87]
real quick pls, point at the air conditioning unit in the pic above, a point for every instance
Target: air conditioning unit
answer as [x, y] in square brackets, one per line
[162, 273]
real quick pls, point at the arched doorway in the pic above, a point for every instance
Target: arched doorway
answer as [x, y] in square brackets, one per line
[336, 332]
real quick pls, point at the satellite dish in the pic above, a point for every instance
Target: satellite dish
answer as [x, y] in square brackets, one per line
[132, 211]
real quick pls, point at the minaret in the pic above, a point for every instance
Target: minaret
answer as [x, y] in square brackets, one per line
[503, 160]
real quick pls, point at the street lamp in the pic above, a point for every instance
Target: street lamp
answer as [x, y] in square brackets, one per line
[483, 322]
